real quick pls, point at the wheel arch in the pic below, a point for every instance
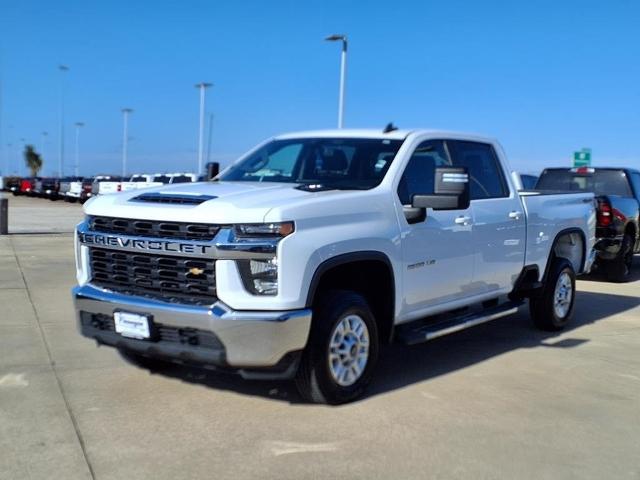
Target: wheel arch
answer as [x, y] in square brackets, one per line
[355, 271]
[560, 248]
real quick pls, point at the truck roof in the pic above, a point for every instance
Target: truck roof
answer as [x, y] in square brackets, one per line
[378, 133]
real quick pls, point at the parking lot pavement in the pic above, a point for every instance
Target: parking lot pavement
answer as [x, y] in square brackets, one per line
[502, 400]
[28, 215]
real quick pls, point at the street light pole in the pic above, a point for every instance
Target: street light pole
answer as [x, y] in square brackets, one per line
[63, 69]
[209, 137]
[125, 138]
[202, 86]
[343, 73]
[76, 169]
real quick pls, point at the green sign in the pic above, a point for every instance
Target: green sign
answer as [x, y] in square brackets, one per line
[582, 158]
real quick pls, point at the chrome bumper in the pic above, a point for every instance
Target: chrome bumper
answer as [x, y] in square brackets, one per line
[249, 339]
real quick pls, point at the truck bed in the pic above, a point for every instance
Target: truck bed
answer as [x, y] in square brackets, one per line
[548, 214]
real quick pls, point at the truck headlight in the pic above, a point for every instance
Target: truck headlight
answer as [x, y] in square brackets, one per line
[260, 277]
[260, 231]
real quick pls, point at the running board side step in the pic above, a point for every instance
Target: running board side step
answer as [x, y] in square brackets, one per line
[429, 331]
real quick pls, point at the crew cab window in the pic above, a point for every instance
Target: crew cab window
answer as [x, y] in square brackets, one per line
[418, 176]
[486, 179]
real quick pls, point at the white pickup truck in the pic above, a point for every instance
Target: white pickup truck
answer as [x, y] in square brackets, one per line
[312, 250]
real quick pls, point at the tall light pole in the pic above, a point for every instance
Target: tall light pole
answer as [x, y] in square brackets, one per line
[343, 73]
[76, 169]
[209, 137]
[125, 138]
[63, 69]
[202, 86]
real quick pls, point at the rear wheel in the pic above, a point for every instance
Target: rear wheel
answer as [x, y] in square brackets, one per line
[340, 357]
[619, 269]
[553, 309]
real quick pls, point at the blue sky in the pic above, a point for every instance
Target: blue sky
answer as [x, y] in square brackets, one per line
[545, 77]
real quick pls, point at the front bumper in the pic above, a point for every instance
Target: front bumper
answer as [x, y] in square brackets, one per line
[262, 343]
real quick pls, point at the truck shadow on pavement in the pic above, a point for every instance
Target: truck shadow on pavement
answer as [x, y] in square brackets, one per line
[400, 366]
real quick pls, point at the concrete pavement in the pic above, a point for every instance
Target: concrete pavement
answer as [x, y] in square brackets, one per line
[502, 400]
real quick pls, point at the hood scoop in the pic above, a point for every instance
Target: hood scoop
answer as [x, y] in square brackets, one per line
[172, 198]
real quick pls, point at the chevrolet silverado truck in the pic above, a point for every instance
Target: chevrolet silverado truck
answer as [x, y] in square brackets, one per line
[617, 193]
[314, 249]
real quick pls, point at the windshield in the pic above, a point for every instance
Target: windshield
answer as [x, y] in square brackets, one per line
[162, 179]
[348, 163]
[600, 182]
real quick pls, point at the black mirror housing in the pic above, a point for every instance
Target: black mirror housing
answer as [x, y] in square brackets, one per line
[451, 190]
[213, 168]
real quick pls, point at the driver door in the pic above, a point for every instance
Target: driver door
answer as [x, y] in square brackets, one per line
[437, 249]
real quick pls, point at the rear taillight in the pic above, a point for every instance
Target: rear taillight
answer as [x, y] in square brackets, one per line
[604, 213]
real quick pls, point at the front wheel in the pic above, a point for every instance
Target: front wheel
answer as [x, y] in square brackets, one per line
[340, 357]
[553, 309]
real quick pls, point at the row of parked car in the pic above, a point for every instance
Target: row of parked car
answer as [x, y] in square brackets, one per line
[81, 189]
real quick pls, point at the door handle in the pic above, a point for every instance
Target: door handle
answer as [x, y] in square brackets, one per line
[515, 215]
[462, 220]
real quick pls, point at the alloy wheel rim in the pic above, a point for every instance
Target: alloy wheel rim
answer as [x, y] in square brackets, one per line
[348, 350]
[563, 295]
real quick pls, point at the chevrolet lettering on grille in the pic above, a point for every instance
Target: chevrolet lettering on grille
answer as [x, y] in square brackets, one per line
[146, 245]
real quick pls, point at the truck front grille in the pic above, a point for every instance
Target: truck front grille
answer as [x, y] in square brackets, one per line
[152, 228]
[161, 277]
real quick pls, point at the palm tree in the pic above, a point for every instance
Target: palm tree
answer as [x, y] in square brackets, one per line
[32, 159]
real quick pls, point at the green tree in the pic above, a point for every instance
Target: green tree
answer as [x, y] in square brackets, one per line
[32, 159]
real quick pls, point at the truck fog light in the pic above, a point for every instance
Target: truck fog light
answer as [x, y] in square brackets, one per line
[260, 277]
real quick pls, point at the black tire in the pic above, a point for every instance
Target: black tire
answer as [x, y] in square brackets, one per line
[149, 363]
[314, 379]
[542, 308]
[619, 269]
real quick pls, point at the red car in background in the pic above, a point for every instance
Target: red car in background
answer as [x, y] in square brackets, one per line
[27, 186]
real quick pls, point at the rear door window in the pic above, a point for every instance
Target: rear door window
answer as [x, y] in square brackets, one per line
[486, 179]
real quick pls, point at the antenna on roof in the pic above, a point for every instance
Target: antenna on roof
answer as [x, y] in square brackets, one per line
[389, 128]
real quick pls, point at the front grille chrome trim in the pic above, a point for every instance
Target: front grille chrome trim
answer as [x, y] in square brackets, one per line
[222, 246]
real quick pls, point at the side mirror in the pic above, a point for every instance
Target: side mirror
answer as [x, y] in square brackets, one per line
[451, 190]
[213, 168]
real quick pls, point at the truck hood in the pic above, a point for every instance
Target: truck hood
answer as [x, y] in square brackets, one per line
[220, 202]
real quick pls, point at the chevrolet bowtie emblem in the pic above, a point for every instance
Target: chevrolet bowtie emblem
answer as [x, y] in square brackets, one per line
[196, 271]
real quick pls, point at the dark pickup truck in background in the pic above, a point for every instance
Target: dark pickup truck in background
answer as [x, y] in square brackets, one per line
[617, 192]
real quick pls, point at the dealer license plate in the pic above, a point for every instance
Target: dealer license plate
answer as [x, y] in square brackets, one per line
[132, 325]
